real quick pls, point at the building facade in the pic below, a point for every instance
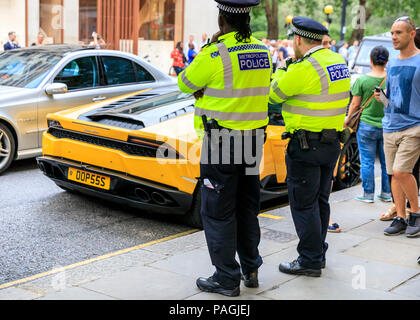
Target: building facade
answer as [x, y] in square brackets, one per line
[148, 28]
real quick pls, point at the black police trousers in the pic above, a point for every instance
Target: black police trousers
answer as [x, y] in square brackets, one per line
[309, 180]
[230, 203]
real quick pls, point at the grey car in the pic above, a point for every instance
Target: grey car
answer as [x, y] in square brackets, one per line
[40, 80]
[361, 64]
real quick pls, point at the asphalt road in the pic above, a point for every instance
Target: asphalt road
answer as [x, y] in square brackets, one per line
[43, 227]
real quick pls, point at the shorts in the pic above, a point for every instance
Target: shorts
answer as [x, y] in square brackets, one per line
[402, 150]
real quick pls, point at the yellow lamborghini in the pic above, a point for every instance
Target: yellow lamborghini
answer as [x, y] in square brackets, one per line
[141, 150]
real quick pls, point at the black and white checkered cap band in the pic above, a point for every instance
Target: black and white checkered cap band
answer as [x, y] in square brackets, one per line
[234, 9]
[307, 34]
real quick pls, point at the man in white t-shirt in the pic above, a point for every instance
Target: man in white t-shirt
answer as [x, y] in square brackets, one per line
[191, 40]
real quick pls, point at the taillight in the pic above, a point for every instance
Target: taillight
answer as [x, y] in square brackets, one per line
[162, 149]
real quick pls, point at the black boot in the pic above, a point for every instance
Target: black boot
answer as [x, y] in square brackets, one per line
[295, 268]
[251, 279]
[210, 285]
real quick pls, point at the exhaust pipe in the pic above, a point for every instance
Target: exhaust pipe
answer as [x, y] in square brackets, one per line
[41, 166]
[160, 199]
[142, 194]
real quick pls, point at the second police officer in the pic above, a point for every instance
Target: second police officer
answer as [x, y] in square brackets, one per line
[314, 91]
[230, 79]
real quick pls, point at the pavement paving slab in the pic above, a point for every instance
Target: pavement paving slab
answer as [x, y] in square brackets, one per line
[17, 294]
[179, 245]
[375, 229]
[306, 288]
[145, 283]
[388, 251]
[93, 271]
[409, 288]
[75, 293]
[377, 275]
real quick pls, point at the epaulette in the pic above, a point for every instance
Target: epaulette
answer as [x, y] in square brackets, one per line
[208, 44]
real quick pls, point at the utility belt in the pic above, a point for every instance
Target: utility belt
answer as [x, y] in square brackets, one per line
[214, 125]
[327, 136]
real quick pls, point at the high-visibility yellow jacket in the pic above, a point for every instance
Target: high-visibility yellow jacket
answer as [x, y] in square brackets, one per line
[235, 77]
[315, 91]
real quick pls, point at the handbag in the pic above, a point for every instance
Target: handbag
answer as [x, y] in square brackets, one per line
[354, 119]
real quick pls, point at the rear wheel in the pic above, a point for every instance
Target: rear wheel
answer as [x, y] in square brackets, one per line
[7, 148]
[348, 173]
[193, 216]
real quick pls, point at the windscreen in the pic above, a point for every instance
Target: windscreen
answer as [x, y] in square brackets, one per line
[26, 69]
[363, 58]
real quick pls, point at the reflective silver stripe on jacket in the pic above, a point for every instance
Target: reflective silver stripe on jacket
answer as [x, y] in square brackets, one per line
[188, 83]
[278, 91]
[272, 101]
[323, 98]
[322, 75]
[231, 116]
[237, 93]
[314, 112]
[228, 91]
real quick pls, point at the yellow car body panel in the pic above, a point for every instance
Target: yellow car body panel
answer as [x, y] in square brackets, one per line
[175, 176]
[179, 133]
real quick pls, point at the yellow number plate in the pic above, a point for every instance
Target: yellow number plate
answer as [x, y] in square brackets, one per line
[91, 179]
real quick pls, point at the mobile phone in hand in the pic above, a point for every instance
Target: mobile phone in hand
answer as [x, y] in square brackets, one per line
[382, 96]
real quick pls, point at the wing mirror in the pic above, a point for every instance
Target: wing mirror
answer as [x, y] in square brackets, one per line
[56, 88]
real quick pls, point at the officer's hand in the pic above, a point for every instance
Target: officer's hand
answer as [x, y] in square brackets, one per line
[199, 94]
[216, 36]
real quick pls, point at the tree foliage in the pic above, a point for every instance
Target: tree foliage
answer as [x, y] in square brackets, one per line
[378, 10]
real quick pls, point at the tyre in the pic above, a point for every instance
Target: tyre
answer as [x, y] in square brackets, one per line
[193, 217]
[7, 148]
[348, 173]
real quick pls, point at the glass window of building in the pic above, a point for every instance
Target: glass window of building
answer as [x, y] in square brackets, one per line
[88, 17]
[157, 19]
[51, 20]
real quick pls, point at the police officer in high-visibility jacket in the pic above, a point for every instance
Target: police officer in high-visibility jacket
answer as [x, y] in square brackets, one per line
[314, 91]
[230, 79]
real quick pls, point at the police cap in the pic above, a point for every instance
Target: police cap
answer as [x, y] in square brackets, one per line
[308, 28]
[237, 6]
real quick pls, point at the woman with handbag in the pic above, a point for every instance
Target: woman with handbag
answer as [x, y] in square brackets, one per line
[365, 116]
[177, 55]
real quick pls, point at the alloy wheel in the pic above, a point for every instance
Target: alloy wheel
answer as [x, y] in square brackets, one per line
[348, 174]
[7, 148]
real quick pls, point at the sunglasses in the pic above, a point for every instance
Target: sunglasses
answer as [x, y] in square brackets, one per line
[405, 18]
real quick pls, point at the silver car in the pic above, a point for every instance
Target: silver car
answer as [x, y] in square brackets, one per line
[40, 80]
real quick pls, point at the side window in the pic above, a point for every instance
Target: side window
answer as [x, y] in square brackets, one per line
[143, 75]
[119, 70]
[81, 73]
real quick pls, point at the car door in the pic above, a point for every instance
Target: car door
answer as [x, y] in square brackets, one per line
[82, 77]
[123, 75]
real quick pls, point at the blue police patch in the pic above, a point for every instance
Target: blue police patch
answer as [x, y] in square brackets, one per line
[338, 72]
[254, 61]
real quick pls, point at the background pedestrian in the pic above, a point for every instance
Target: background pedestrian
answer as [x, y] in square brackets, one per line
[401, 126]
[369, 133]
[177, 57]
[12, 43]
